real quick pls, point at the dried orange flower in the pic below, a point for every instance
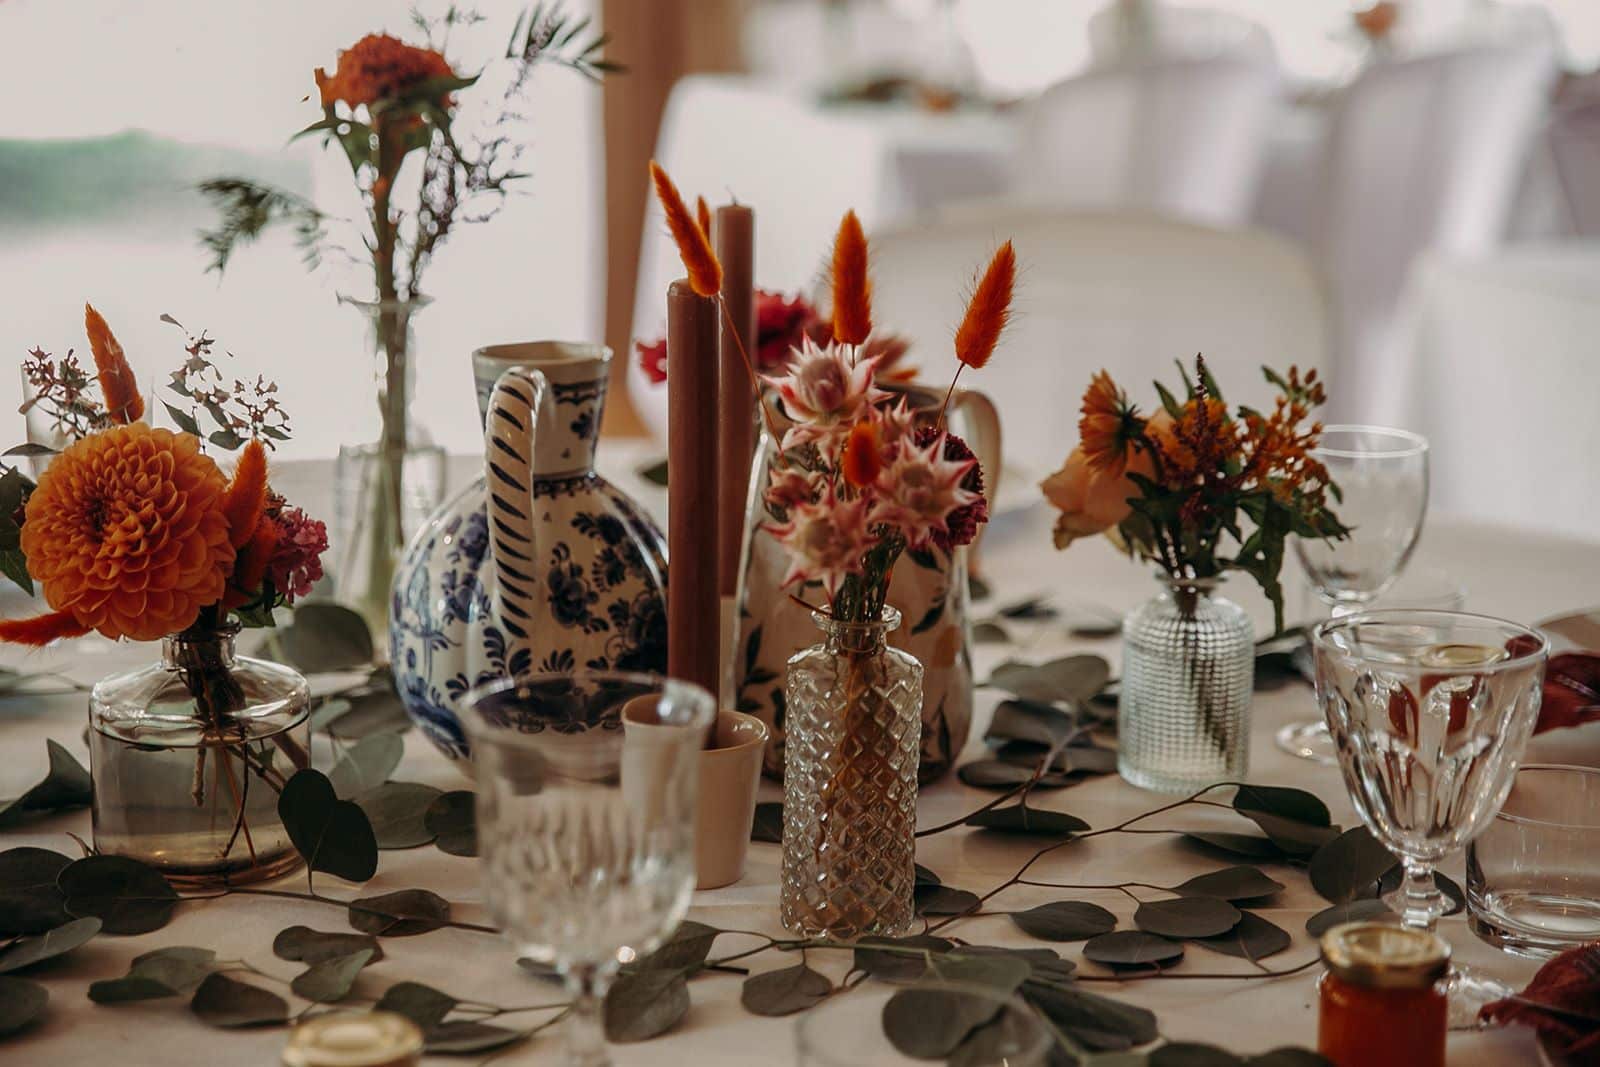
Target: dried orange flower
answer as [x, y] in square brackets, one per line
[380, 67]
[852, 287]
[1109, 426]
[126, 532]
[989, 309]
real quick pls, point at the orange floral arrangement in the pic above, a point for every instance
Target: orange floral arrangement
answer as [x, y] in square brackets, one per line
[1180, 486]
[380, 67]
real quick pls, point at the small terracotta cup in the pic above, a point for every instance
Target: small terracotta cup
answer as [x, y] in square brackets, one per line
[730, 770]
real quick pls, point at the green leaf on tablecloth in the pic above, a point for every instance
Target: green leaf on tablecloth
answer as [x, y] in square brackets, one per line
[1252, 938]
[1231, 883]
[643, 1005]
[229, 1003]
[467, 1036]
[1390, 883]
[921, 876]
[931, 900]
[990, 633]
[326, 711]
[166, 972]
[1249, 846]
[898, 959]
[1289, 1057]
[1191, 1054]
[999, 971]
[30, 902]
[1095, 1022]
[1350, 865]
[1073, 678]
[328, 981]
[1021, 819]
[302, 944]
[1292, 836]
[655, 473]
[928, 1024]
[784, 991]
[997, 774]
[403, 913]
[398, 813]
[326, 637]
[1352, 912]
[1044, 965]
[978, 589]
[1187, 917]
[371, 708]
[688, 947]
[422, 1004]
[1295, 805]
[367, 765]
[1034, 608]
[27, 951]
[65, 787]
[21, 1004]
[1030, 720]
[1131, 947]
[128, 897]
[1065, 920]
[453, 820]
[332, 835]
[768, 824]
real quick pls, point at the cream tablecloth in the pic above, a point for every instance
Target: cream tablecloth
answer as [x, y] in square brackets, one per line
[1522, 576]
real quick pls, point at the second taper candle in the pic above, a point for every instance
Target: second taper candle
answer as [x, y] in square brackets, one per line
[692, 601]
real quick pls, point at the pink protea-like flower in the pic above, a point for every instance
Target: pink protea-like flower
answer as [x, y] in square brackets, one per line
[896, 424]
[826, 540]
[920, 488]
[961, 526]
[791, 488]
[296, 564]
[825, 391]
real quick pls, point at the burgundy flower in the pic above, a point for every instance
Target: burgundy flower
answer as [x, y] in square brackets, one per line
[961, 526]
[781, 324]
[296, 565]
[653, 358]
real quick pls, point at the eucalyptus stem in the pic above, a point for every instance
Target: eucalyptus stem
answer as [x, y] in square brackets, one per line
[349, 904]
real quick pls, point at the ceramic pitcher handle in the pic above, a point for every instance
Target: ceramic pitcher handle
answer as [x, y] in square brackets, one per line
[508, 440]
[985, 436]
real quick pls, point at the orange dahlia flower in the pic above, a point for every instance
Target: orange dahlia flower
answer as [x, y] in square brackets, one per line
[379, 67]
[126, 532]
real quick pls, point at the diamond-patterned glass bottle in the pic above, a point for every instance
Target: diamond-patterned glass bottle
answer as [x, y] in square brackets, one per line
[1188, 668]
[850, 782]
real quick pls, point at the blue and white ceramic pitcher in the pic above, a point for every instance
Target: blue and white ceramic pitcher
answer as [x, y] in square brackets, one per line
[540, 565]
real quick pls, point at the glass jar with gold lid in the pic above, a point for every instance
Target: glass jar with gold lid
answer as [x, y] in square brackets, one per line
[1381, 1001]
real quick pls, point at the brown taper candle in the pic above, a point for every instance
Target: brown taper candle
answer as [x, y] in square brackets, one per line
[692, 603]
[735, 232]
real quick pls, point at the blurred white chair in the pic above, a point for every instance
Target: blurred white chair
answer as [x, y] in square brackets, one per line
[1138, 31]
[1424, 154]
[1128, 293]
[1182, 138]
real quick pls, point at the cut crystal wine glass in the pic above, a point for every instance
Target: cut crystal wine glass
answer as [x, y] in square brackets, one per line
[586, 823]
[1430, 711]
[1382, 479]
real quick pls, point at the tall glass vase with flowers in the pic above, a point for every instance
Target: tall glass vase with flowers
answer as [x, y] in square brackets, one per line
[1179, 488]
[133, 531]
[392, 110]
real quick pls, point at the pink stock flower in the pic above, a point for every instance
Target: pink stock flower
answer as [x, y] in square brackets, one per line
[826, 540]
[920, 488]
[825, 392]
[296, 563]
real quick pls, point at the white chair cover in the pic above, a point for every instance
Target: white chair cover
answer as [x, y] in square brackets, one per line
[1424, 154]
[1184, 138]
[1138, 31]
[1128, 293]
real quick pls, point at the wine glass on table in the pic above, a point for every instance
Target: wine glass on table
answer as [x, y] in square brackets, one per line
[586, 823]
[1382, 475]
[1430, 712]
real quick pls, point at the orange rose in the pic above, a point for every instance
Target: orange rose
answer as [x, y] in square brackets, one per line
[1091, 501]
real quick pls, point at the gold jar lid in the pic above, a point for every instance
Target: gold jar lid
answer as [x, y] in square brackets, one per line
[1384, 956]
[355, 1039]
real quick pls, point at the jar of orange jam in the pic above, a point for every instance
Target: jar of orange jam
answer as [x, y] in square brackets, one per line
[1381, 1002]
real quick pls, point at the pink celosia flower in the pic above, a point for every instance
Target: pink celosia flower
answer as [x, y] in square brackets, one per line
[825, 391]
[791, 487]
[825, 539]
[296, 565]
[920, 488]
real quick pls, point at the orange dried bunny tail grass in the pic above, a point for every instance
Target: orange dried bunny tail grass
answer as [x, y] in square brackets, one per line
[852, 289]
[247, 495]
[251, 566]
[42, 629]
[117, 385]
[862, 460]
[989, 309]
[705, 273]
[702, 215]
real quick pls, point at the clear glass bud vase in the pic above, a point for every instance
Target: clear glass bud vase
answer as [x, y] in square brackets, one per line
[188, 756]
[854, 719]
[1188, 668]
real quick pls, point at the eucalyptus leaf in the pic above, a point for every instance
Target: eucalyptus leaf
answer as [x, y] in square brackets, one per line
[655, 473]
[21, 1004]
[1187, 917]
[367, 765]
[898, 959]
[643, 1005]
[1289, 1057]
[928, 1024]
[785, 991]
[422, 1004]
[1349, 865]
[453, 820]
[127, 896]
[990, 633]
[398, 813]
[1065, 920]
[1292, 837]
[1003, 972]
[934, 900]
[130, 988]
[30, 902]
[305, 945]
[922, 876]
[768, 824]
[1250, 846]
[1034, 608]
[1252, 938]
[1071, 678]
[1192, 1054]
[332, 835]
[1296, 805]
[166, 972]
[1231, 883]
[466, 1036]
[229, 1003]
[688, 947]
[1130, 947]
[1021, 819]
[27, 951]
[399, 914]
[30, 448]
[373, 709]
[997, 774]
[1094, 1021]
[328, 981]
[326, 637]
[65, 787]
[1351, 912]
[1028, 720]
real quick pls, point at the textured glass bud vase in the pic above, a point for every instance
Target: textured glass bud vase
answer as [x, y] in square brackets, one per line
[1188, 668]
[188, 757]
[850, 782]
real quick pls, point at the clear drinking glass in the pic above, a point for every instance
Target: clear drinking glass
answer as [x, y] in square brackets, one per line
[586, 828]
[1533, 877]
[1430, 711]
[1382, 475]
[939, 1021]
